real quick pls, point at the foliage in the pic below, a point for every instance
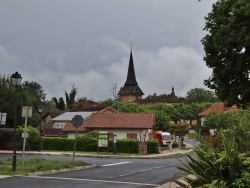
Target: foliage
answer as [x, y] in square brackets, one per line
[216, 167]
[165, 113]
[228, 51]
[89, 144]
[92, 134]
[152, 146]
[59, 103]
[180, 129]
[200, 95]
[70, 98]
[28, 94]
[236, 122]
[32, 142]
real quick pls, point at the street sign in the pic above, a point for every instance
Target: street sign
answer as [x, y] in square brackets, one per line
[25, 134]
[77, 120]
[3, 118]
[26, 112]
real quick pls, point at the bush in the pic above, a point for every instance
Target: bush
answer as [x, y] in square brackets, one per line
[32, 142]
[89, 144]
[175, 144]
[152, 146]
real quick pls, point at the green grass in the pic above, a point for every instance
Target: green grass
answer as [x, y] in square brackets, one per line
[36, 165]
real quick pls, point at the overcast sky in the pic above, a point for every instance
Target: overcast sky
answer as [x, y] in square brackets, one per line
[57, 43]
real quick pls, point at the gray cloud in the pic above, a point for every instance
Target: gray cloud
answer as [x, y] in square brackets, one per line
[87, 43]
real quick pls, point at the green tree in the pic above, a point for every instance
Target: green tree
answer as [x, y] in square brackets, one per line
[227, 50]
[28, 94]
[70, 98]
[59, 103]
[200, 95]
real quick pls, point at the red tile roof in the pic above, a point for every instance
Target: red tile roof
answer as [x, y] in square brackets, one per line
[121, 121]
[69, 127]
[218, 107]
[54, 113]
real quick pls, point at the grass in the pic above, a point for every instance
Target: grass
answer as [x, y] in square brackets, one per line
[36, 165]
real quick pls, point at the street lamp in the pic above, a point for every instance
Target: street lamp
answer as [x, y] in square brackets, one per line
[16, 80]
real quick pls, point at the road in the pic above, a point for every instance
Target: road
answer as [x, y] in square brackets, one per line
[108, 173]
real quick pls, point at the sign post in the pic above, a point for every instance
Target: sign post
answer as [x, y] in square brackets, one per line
[77, 120]
[26, 112]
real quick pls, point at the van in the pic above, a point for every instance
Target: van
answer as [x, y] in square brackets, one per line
[163, 138]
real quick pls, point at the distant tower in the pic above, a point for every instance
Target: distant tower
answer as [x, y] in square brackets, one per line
[130, 91]
[172, 95]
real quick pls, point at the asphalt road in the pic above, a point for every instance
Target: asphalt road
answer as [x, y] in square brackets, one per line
[108, 173]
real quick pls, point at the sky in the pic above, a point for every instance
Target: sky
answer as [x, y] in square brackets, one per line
[87, 43]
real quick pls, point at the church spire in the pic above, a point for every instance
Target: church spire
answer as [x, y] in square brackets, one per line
[130, 91]
[131, 78]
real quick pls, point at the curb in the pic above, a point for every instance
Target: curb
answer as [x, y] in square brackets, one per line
[61, 170]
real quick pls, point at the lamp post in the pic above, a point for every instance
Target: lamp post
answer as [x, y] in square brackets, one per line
[16, 80]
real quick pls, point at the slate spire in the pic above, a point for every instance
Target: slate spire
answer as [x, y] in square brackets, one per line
[131, 79]
[131, 87]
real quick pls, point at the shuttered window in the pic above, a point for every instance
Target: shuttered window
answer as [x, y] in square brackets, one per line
[131, 136]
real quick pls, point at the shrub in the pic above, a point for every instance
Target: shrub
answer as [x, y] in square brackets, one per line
[152, 146]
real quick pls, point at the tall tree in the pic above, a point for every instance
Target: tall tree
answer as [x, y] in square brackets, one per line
[70, 98]
[59, 103]
[200, 95]
[227, 48]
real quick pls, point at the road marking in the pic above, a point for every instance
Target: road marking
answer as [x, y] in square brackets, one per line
[127, 174]
[160, 167]
[93, 180]
[113, 164]
[145, 170]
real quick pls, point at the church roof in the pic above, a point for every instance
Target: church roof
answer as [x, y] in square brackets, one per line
[131, 79]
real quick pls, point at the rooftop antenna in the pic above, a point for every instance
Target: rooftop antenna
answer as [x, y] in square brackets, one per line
[131, 46]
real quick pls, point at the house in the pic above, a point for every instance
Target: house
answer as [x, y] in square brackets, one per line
[216, 107]
[123, 125]
[52, 114]
[70, 130]
[131, 90]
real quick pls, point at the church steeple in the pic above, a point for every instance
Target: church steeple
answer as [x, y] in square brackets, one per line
[130, 91]
[131, 79]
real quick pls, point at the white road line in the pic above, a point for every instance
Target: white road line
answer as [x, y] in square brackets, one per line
[172, 164]
[93, 180]
[145, 170]
[160, 167]
[116, 164]
[127, 174]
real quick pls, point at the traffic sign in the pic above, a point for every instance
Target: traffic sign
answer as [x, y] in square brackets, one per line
[77, 120]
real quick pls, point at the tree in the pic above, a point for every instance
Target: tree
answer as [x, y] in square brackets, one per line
[200, 95]
[70, 98]
[59, 103]
[227, 50]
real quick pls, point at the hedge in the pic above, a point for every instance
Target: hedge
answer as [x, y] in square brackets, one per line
[89, 144]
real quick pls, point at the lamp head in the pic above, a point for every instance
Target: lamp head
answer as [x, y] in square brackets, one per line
[16, 79]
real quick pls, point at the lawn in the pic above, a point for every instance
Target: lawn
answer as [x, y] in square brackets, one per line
[36, 165]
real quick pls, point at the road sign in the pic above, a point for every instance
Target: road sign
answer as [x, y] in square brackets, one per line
[25, 134]
[3, 118]
[77, 120]
[26, 111]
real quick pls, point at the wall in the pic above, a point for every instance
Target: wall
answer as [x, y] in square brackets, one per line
[122, 133]
[129, 98]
